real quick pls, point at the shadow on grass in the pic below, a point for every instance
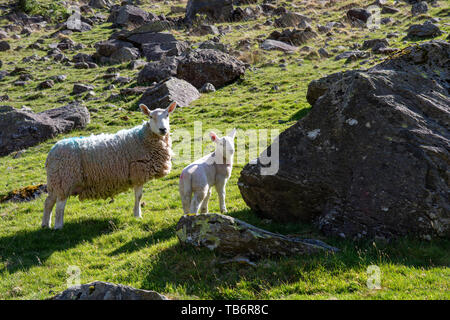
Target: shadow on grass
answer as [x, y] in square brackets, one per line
[26, 249]
[201, 273]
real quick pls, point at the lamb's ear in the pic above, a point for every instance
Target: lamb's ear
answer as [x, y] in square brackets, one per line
[213, 136]
[232, 134]
[172, 107]
[144, 109]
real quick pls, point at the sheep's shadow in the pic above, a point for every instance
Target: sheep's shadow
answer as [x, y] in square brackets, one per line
[25, 249]
[152, 238]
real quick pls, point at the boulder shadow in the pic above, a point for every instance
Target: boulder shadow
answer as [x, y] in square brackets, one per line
[25, 249]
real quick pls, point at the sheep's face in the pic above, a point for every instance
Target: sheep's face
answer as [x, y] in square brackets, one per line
[159, 118]
[224, 147]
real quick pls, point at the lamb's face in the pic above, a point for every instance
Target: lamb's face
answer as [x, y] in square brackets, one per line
[159, 118]
[224, 146]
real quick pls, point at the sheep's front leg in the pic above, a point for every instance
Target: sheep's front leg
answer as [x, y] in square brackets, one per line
[197, 200]
[137, 201]
[204, 206]
[220, 187]
[59, 213]
[48, 207]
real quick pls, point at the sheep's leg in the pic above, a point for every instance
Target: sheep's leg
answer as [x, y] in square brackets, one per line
[204, 206]
[137, 201]
[48, 207]
[186, 202]
[197, 200]
[59, 213]
[220, 187]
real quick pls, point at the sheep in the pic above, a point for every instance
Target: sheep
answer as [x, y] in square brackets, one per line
[200, 176]
[102, 166]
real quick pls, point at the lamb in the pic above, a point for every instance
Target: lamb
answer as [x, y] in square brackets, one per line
[102, 166]
[200, 176]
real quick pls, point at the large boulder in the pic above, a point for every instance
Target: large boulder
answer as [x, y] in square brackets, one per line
[215, 10]
[233, 237]
[423, 31]
[291, 19]
[129, 16]
[157, 71]
[100, 290]
[20, 129]
[157, 45]
[371, 158]
[294, 36]
[172, 90]
[205, 65]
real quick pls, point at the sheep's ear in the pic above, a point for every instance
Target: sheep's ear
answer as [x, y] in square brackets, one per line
[172, 107]
[213, 136]
[144, 109]
[232, 134]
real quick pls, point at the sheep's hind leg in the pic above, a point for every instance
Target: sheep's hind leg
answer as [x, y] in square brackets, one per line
[59, 213]
[137, 201]
[204, 206]
[197, 200]
[48, 207]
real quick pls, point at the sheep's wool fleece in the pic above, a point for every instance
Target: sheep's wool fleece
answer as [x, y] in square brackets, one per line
[101, 166]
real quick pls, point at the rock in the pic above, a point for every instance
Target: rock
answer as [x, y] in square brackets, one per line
[208, 44]
[158, 70]
[294, 37]
[352, 55]
[231, 237]
[389, 10]
[205, 29]
[20, 129]
[291, 19]
[99, 290]
[270, 44]
[423, 31]
[82, 57]
[46, 84]
[419, 8]
[204, 65]
[375, 44]
[3, 34]
[163, 46]
[172, 90]
[108, 47]
[80, 88]
[207, 88]
[100, 4]
[129, 16]
[75, 23]
[358, 14]
[323, 53]
[347, 165]
[4, 46]
[216, 10]
[25, 194]
[124, 54]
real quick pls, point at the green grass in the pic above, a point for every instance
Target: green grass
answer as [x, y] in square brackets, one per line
[105, 241]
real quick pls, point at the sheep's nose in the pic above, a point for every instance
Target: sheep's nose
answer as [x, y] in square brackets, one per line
[163, 130]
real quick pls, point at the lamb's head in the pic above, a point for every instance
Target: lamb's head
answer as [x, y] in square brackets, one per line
[224, 147]
[159, 118]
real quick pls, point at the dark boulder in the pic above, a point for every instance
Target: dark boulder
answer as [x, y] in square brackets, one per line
[129, 16]
[294, 36]
[371, 158]
[423, 31]
[20, 129]
[215, 10]
[205, 65]
[358, 14]
[157, 71]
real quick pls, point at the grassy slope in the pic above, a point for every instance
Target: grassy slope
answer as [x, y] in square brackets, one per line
[107, 243]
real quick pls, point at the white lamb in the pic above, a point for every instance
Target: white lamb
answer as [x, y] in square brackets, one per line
[101, 166]
[200, 176]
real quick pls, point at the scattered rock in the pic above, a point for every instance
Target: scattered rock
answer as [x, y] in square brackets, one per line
[295, 37]
[25, 194]
[207, 88]
[291, 19]
[99, 290]
[419, 8]
[80, 88]
[358, 14]
[46, 84]
[347, 165]
[423, 31]
[158, 70]
[129, 16]
[216, 10]
[173, 90]
[4, 46]
[20, 129]
[232, 237]
[270, 44]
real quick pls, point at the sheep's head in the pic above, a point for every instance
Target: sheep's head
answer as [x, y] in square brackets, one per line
[159, 118]
[224, 147]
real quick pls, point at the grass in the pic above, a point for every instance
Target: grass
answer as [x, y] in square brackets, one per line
[105, 241]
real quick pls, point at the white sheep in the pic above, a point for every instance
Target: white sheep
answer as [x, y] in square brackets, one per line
[199, 177]
[102, 166]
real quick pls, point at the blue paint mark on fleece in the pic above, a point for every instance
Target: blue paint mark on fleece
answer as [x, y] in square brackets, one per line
[68, 141]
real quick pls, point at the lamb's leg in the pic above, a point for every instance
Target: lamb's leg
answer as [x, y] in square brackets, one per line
[186, 201]
[204, 206]
[220, 187]
[59, 213]
[137, 201]
[48, 207]
[184, 188]
[197, 200]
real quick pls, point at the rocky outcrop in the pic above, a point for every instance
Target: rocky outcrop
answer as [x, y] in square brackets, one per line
[20, 129]
[100, 290]
[172, 90]
[233, 237]
[129, 16]
[371, 159]
[205, 65]
[215, 10]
